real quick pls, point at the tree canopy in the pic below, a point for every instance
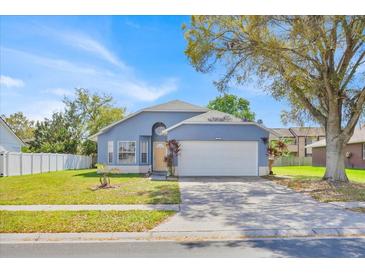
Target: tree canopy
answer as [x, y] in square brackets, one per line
[91, 111]
[66, 132]
[316, 63]
[234, 105]
[54, 135]
[21, 125]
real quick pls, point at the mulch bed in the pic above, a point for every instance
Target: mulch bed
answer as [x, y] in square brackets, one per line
[323, 191]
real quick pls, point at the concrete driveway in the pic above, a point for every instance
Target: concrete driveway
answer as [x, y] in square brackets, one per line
[224, 204]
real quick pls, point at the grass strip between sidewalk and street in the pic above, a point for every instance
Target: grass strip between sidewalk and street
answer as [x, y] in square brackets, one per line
[80, 221]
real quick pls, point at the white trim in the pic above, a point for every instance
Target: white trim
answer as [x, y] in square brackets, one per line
[263, 170]
[218, 123]
[11, 131]
[135, 151]
[93, 137]
[140, 151]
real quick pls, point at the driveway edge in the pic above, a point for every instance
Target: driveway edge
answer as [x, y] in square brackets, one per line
[180, 235]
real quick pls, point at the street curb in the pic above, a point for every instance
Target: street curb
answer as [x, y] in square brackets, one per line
[180, 235]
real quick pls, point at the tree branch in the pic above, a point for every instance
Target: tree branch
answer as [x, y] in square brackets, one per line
[356, 112]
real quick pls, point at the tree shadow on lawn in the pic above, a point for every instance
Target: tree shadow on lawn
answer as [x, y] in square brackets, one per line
[162, 194]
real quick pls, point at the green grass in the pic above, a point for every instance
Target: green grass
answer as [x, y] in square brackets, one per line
[80, 221]
[309, 172]
[74, 187]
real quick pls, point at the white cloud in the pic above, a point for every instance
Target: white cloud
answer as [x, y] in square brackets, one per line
[89, 44]
[117, 82]
[59, 91]
[39, 110]
[59, 64]
[145, 92]
[10, 82]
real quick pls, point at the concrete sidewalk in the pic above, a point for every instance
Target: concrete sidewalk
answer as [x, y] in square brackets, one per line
[173, 207]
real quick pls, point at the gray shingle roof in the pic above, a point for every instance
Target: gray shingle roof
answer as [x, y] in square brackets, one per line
[214, 117]
[176, 105]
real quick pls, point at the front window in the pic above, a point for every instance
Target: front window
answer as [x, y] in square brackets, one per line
[144, 152]
[363, 151]
[110, 152]
[127, 152]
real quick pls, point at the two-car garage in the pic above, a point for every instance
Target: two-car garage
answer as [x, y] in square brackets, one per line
[218, 158]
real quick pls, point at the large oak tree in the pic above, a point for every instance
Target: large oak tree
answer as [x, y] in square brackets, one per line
[316, 63]
[232, 104]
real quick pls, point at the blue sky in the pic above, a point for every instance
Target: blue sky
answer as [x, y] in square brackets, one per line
[139, 60]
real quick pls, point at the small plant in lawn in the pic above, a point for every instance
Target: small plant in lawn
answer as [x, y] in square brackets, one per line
[104, 176]
[276, 149]
[173, 149]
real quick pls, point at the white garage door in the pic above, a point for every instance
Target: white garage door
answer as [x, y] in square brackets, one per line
[218, 158]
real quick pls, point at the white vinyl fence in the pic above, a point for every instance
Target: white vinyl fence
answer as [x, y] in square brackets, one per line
[293, 161]
[17, 163]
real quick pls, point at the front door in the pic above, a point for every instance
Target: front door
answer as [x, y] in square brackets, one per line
[159, 153]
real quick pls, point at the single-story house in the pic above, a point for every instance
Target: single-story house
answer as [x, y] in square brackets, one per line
[9, 141]
[212, 143]
[354, 151]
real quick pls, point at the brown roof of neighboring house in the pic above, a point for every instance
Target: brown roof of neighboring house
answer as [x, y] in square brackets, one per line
[308, 131]
[357, 137]
[282, 132]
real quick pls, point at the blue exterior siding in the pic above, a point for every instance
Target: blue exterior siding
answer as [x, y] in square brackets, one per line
[137, 128]
[205, 132]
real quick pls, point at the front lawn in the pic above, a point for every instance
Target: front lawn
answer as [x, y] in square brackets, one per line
[307, 180]
[80, 221]
[74, 187]
[309, 172]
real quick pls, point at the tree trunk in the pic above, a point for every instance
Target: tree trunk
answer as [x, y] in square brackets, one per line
[335, 162]
[271, 162]
[335, 147]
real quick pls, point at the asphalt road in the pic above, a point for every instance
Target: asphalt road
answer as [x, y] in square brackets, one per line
[298, 248]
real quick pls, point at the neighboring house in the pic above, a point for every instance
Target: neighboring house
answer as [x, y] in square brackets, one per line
[298, 138]
[8, 139]
[355, 150]
[212, 143]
